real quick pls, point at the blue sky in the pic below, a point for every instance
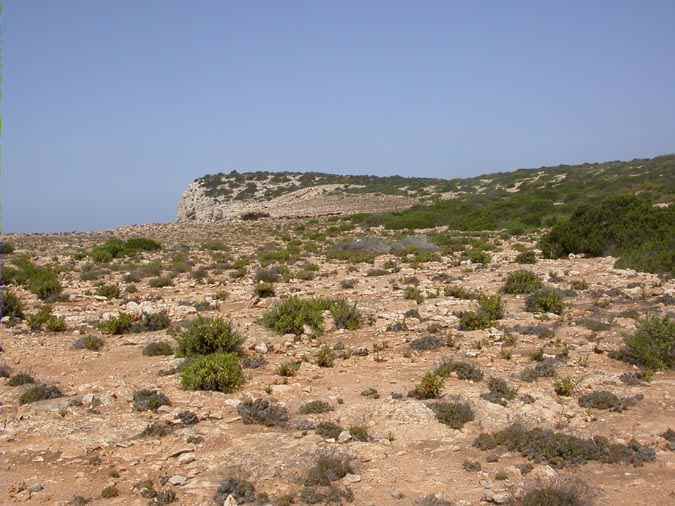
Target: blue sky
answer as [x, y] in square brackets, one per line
[111, 108]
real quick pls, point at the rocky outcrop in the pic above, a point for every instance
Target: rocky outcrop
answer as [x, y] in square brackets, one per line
[232, 199]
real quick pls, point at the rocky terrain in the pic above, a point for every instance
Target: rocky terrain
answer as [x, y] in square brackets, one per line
[421, 368]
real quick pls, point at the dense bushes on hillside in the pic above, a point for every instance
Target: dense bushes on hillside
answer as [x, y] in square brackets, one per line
[631, 228]
[116, 248]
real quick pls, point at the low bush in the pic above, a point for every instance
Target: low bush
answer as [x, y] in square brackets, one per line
[652, 345]
[241, 490]
[359, 433]
[115, 325]
[40, 392]
[208, 335]
[263, 290]
[108, 291]
[518, 282]
[559, 492]
[91, 343]
[328, 430]
[459, 292]
[20, 379]
[329, 466]
[263, 411]
[561, 450]
[454, 414]
[219, 371]
[292, 314]
[545, 300]
[545, 369]
[499, 392]
[565, 386]
[345, 315]
[628, 227]
[149, 400]
[490, 308]
[116, 248]
[603, 399]
[464, 370]
[315, 407]
[288, 369]
[430, 387]
[6, 248]
[10, 305]
[325, 357]
[428, 343]
[526, 257]
[44, 318]
[160, 282]
[157, 348]
[42, 281]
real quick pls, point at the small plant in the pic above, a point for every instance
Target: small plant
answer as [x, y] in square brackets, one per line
[464, 370]
[149, 400]
[20, 379]
[652, 345]
[292, 314]
[454, 414]
[108, 291]
[459, 292]
[359, 433]
[430, 387]
[602, 399]
[6, 248]
[521, 281]
[428, 343]
[565, 386]
[315, 407]
[579, 284]
[325, 357]
[345, 315]
[45, 318]
[209, 335]
[109, 492]
[120, 324]
[288, 369]
[526, 257]
[158, 348]
[40, 392]
[329, 466]
[263, 290]
[413, 293]
[559, 492]
[328, 430]
[545, 369]
[10, 305]
[263, 411]
[545, 300]
[499, 392]
[241, 490]
[219, 371]
[348, 284]
[91, 343]
[160, 282]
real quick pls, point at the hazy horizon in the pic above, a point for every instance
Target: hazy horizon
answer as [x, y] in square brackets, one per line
[110, 111]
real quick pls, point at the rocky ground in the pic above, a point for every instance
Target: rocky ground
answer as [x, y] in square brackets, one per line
[89, 442]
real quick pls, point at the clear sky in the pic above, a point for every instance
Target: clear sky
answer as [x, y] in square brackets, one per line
[111, 108]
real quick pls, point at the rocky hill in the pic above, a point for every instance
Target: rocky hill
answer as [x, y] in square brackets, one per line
[549, 191]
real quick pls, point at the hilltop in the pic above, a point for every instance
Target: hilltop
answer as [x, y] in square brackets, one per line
[545, 192]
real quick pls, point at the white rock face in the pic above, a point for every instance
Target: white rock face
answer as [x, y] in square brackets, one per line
[278, 200]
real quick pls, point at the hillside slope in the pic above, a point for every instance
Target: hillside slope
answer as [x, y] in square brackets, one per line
[545, 191]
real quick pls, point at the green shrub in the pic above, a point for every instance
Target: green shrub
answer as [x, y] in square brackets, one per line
[219, 371]
[291, 315]
[10, 305]
[526, 257]
[561, 450]
[325, 357]
[161, 282]
[108, 291]
[150, 400]
[565, 386]
[345, 315]
[329, 430]
[499, 392]
[158, 348]
[152, 322]
[464, 370]
[559, 492]
[430, 387]
[120, 324]
[459, 292]
[263, 411]
[56, 324]
[491, 306]
[359, 433]
[413, 293]
[315, 407]
[40, 392]
[329, 467]
[545, 300]
[20, 379]
[116, 248]
[91, 343]
[521, 282]
[44, 318]
[288, 369]
[263, 290]
[653, 344]
[628, 227]
[42, 281]
[209, 335]
[454, 414]
[477, 256]
[6, 248]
